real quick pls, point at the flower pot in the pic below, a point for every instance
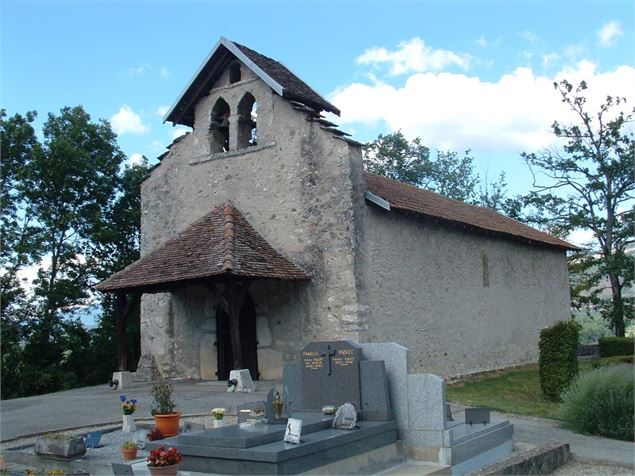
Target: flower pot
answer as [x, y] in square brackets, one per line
[164, 470]
[129, 424]
[218, 423]
[129, 453]
[168, 424]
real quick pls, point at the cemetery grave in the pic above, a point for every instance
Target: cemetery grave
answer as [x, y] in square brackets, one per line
[385, 415]
[389, 404]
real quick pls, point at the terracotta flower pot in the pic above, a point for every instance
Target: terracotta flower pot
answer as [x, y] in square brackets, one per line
[168, 424]
[164, 470]
[129, 453]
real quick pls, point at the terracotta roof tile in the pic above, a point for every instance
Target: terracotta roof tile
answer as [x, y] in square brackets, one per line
[409, 198]
[221, 243]
[294, 88]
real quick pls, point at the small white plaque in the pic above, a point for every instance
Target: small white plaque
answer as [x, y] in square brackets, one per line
[294, 429]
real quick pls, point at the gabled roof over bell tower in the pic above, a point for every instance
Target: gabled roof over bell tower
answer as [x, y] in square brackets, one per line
[277, 76]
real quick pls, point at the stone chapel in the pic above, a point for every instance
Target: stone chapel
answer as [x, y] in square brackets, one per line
[261, 231]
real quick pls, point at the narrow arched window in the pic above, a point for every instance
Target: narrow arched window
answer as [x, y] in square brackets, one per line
[247, 121]
[219, 127]
[234, 73]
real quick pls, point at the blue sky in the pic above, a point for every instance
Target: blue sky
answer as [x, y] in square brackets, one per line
[458, 74]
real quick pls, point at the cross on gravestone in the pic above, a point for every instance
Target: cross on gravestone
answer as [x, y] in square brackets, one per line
[330, 374]
[330, 355]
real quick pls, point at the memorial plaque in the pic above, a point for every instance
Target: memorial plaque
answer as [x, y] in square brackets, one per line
[345, 417]
[330, 374]
[478, 415]
[293, 431]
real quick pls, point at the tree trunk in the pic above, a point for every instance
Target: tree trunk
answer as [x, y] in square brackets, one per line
[617, 306]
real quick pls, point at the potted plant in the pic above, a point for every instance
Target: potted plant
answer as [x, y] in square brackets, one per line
[154, 434]
[218, 414]
[163, 461]
[165, 418]
[128, 407]
[129, 450]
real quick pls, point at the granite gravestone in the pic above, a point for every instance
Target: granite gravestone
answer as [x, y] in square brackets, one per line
[330, 374]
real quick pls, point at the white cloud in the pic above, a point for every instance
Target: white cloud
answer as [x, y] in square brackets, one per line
[136, 70]
[161, 110]
[609, 32]
[414, 56]
[135, 158]
[581, 237]
[126, 121]
[457, 111]
[178, 132]
[529, 37]
[549, 59]
[165, 72]
[482, 42]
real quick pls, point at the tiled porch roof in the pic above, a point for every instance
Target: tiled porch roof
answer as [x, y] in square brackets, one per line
[221, 244]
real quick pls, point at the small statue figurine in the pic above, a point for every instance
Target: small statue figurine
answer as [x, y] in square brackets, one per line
[277, 405]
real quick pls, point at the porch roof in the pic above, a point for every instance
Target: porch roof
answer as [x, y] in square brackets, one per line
[222, 244]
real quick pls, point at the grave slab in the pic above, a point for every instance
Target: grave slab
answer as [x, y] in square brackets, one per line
[277, 457]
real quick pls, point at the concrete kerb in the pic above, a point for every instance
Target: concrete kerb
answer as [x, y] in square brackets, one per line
[106, 424]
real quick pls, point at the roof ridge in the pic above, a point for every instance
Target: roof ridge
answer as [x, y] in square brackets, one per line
[229, 237]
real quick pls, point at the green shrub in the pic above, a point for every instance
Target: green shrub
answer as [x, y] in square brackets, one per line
[619, 359]
[600, 402]
[610, 346]
[558, 361]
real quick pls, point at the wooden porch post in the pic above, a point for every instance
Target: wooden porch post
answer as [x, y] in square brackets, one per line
[124, 307]
[122, 344]
[232, 302]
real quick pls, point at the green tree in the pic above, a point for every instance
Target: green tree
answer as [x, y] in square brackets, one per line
[118, 246]
[590, 184]
[444, 172]
[57, 197]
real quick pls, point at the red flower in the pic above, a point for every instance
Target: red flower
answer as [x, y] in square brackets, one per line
[162, 457]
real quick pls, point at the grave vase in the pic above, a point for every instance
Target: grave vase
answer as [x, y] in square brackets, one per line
[129, 424]
[218, 423]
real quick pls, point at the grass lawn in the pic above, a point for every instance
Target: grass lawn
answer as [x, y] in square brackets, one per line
[515, 390]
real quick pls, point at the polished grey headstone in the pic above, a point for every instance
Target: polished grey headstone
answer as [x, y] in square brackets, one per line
[397, 361]
[375, 392]
[292, 381]
[330, 374]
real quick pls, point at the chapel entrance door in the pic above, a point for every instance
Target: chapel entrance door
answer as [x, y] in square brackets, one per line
[249, 344]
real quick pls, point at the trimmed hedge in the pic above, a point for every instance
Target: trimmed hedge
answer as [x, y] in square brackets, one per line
[600, 402]
[558, 361]
[611, 346]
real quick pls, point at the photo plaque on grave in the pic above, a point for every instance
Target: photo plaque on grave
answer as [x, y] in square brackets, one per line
[330, 374]
[293, 431]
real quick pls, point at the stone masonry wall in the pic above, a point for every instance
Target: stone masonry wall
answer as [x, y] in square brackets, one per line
[294, 187]
[461, 302]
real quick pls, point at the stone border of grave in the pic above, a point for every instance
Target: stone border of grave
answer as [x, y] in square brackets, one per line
[540, 460]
